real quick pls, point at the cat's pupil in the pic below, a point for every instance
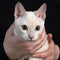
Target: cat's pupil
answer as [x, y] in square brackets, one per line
[37, 28]
[24, 27]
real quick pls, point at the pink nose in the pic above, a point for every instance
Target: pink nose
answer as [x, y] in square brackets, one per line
[31, 37]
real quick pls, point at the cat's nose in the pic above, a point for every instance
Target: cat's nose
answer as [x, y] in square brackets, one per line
[31, 37]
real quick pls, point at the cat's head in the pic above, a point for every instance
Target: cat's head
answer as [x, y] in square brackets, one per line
[29, 24]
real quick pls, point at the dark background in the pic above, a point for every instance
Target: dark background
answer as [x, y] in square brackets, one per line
[52, 22]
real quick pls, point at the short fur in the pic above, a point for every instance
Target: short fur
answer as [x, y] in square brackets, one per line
[26, 23]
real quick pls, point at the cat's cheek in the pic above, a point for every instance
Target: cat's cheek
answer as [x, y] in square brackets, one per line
[35, 37]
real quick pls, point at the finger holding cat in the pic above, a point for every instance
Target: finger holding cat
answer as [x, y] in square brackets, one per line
[35, 45]
[40, 42]
[50, 53]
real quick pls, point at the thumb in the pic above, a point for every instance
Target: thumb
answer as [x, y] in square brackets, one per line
[49, 37]
[10, 30]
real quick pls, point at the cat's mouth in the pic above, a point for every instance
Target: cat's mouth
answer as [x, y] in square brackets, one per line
[31, 40]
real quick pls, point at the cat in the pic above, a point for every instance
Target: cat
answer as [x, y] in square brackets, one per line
[30, 24]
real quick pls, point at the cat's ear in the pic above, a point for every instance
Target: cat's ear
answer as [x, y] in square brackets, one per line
[19, 10]
[41, 12]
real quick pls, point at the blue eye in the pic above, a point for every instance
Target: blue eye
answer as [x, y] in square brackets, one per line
[37, 28]
[24, 27]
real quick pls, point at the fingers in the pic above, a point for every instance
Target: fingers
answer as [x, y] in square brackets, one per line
[40, 45]
[40, 55]
[47, 52]
[10, 30]
[56, 52]
[41, 39]
[49, 37]
[50, 41]
[44, 54]
[49, 58]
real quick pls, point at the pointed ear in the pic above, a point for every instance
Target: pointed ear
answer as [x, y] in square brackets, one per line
[19, 10]
[41, 12]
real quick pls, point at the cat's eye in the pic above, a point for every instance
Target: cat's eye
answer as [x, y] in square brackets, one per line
[37, 28]
[24, 27]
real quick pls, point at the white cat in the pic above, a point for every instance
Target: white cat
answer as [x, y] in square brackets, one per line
[30, 24]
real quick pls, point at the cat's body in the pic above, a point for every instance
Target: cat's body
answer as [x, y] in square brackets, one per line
[29, 25]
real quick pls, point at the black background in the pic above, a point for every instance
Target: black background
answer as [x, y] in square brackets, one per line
[52, 22]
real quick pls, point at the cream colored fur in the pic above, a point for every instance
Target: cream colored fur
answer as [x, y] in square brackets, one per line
[31, 20]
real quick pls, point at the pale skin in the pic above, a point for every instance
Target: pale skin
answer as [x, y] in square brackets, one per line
[52, 53]
[16, 47]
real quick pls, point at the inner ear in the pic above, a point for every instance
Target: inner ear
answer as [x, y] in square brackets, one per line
[19, 10]
[41, 12]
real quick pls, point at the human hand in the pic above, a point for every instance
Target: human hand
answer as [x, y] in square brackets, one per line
[52, 53]
[16, 47]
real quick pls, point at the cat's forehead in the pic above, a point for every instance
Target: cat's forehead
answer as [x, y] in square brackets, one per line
[30, 14]
[31, 17]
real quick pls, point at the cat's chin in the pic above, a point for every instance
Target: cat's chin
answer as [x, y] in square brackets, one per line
[31, 40]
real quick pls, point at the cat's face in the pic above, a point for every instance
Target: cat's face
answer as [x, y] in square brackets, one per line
[29, 24]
